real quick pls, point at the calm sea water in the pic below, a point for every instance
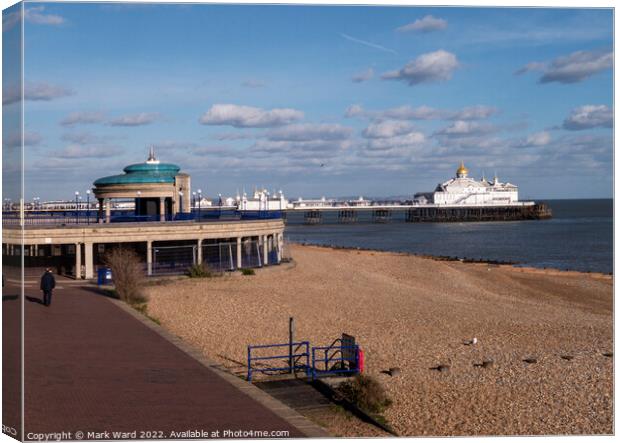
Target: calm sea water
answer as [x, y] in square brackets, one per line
[578, 237]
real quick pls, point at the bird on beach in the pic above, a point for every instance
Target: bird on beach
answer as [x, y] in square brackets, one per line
[473, 341]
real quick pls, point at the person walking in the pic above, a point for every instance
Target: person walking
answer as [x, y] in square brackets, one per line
[48, 283]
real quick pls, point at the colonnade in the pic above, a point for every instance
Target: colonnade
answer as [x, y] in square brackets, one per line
[85, 268]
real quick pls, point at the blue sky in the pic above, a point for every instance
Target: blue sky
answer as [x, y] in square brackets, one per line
[372, 101]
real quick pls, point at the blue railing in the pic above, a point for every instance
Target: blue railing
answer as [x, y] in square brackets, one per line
[330, 360]
[294, 359]
[124, 216]
[335, 360]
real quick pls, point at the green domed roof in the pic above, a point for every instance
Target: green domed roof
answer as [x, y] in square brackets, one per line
[149, 172]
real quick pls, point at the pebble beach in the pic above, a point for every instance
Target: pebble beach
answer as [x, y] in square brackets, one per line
[541, 364]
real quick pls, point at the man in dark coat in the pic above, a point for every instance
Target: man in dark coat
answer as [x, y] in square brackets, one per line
[48, 283]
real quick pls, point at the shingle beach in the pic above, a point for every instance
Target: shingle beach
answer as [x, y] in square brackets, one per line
[548, 334]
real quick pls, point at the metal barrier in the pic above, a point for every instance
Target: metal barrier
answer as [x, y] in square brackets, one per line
[220, 257]
[173, 259]
[251, 256]
[336, 360]
[293, 359]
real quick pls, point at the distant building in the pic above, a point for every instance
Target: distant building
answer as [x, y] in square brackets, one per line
[312, 203]
[466, 191]
[262, 200]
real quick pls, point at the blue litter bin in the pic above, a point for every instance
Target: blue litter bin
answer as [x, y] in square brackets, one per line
[104, 276]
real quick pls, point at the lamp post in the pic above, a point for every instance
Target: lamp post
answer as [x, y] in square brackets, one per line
[193, 200]
[137, 210]
[199, 201]
[88, 206]
[77, 214]
[180, 201]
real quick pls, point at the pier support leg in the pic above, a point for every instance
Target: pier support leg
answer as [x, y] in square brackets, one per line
[78, 260]
[88, 261]
[239, 264]
[149, 258]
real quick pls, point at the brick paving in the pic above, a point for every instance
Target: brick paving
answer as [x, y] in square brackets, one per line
[90, 365]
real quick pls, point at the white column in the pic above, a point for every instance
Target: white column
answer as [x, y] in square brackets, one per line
[265, 252]
[162, 209]
[108, 210]
[279, 246]
[199, 253]
[88, 261]
[239, 264]
[78, 260]
[149, 257]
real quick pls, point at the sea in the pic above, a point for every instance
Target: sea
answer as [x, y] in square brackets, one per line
[579, 237]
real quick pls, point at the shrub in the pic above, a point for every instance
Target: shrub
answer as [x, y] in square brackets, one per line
[247, 271]
[366, 393]
[127, 274]
[199, 271]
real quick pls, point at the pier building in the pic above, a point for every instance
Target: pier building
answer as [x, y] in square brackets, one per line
[464, 190]
[162, 227]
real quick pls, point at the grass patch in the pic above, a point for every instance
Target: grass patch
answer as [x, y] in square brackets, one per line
[142, 308]
[366, 393]
[248, 271]
[199, 271]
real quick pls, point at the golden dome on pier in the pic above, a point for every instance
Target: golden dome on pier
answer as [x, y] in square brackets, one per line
[462, 170]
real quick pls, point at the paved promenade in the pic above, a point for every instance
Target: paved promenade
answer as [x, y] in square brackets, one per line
[92, 366]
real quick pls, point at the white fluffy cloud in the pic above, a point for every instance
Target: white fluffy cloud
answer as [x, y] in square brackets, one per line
[387, 129]
[249, 117]
[425, 24]
[571, 68]
[479, 112]
[363, 76]
[406, 112]
[82, 117]
[34, 92]
[589, 116]
[141, 119]
[36, 14]
[427, 68]
[535, 140]
[538, 139]
[14, 140]
[302, 148]
[310, 132]
[462, 128]
[409, 113]
[410, 140]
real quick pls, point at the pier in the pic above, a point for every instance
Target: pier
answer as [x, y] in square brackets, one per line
[417, 213]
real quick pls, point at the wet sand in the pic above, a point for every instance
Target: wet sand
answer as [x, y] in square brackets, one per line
[415, 313]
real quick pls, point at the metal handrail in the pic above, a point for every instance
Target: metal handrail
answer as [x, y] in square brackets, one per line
[327, 371]
[294, 357]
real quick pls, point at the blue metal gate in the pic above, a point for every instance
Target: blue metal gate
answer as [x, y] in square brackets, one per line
[336, 359]
[295, 361]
